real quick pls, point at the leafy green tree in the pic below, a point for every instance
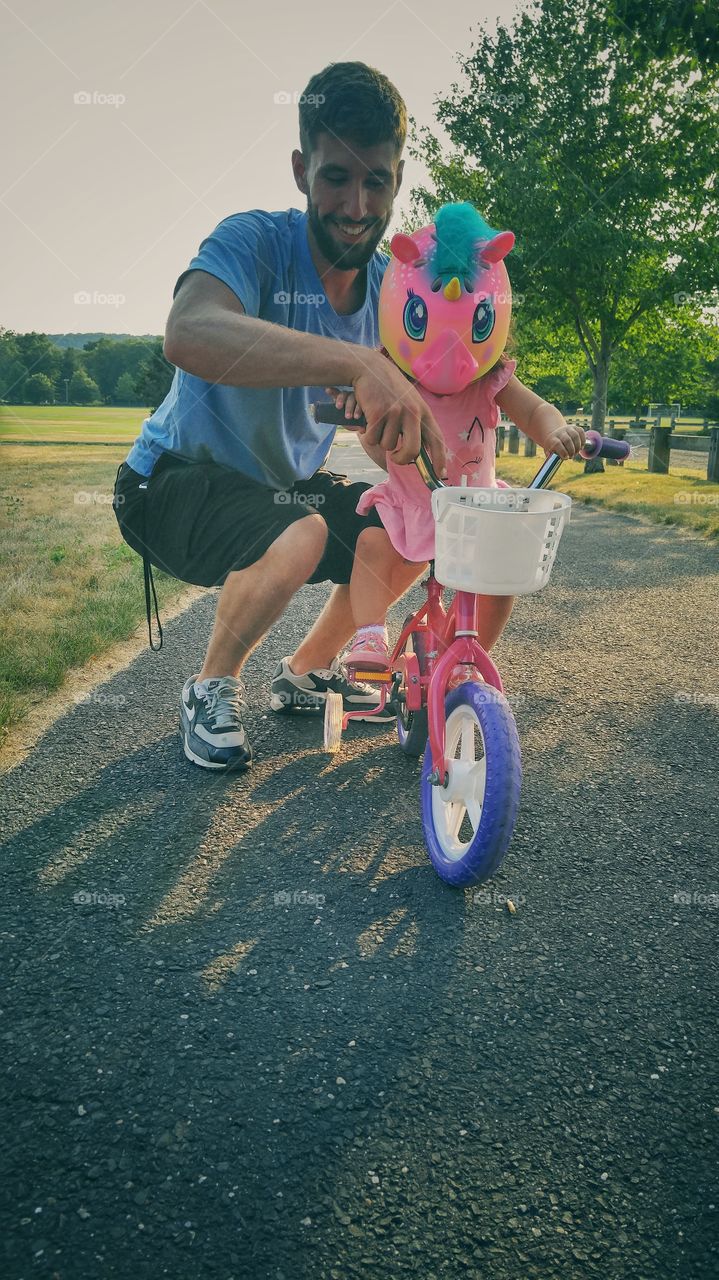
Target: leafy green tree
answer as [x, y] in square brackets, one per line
[154, 378]
[39, 389]
[669, 359]
[82, 388]
[604, 169]
[125, 390]
[13, 371]
[69, 362]
[667, 27]
[39, 354]
[107, 358]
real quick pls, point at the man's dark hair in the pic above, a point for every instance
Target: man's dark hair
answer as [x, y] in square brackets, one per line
[354, 102]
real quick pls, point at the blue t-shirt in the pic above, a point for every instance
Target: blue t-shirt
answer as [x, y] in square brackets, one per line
[266, 433]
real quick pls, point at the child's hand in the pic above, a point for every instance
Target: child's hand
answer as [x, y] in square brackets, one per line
[348, 401]
[565, 440]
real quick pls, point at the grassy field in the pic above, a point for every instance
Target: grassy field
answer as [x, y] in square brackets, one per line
[69, 586]
[685, 499]
[92, 423]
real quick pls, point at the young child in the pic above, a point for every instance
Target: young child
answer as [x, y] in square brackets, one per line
[444, 311]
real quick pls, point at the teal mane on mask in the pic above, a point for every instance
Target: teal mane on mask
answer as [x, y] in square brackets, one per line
[458, 228]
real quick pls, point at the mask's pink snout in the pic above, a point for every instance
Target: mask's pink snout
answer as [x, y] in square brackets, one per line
[446, 367]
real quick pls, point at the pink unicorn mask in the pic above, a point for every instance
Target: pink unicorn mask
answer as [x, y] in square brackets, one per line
[445, 302]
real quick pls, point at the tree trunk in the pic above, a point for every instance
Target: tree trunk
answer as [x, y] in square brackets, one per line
[599, 406]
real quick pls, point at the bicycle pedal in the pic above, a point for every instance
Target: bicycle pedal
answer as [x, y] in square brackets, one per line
[381, 677]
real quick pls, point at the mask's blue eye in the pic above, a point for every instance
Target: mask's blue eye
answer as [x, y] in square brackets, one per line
[482, 320]
[415, 317]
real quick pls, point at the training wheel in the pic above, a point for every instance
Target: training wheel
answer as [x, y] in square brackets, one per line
[334, 714]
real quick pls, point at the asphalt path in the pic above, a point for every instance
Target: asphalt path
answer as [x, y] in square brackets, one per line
[248, 1033]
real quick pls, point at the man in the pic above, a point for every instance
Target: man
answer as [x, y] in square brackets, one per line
[225, 484]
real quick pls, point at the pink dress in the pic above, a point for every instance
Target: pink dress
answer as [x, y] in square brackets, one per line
[469, 425]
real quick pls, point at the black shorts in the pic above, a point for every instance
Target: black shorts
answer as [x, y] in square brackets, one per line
[199, 521]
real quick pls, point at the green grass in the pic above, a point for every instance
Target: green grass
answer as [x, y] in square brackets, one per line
[685, 498]
[69, 586]
[92, 423]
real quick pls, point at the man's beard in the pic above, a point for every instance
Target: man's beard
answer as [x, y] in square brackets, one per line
[340, 255]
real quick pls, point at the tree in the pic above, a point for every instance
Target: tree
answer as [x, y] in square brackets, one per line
[107, 358]
[668, 360]
[38, 354]
[82, 388]
[39, 389]
[154, 378]
[605, 170]
[668, 26]
[125, 390]
[13, 371]
[69, 362]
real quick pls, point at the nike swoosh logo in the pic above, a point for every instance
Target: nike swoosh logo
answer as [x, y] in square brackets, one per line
[190, 710]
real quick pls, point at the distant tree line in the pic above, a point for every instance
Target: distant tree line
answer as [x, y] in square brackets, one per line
[107, 370]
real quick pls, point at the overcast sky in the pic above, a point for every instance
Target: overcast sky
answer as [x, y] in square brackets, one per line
[111, 199]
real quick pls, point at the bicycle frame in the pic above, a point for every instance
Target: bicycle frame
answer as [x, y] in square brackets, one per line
[452, 636]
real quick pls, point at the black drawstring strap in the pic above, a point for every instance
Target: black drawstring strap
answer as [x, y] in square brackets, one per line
[149, 580]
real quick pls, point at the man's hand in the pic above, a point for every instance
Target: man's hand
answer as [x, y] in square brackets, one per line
[398, 420]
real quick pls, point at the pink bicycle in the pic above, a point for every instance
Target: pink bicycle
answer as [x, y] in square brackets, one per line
[445, 688]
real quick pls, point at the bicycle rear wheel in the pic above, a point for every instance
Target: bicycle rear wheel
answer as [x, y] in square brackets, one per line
[412, 726]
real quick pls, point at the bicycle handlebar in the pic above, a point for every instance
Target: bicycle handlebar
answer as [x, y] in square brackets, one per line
[597, 446]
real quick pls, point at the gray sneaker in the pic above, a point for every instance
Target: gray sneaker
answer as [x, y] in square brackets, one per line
[211, 728]
[309, 692]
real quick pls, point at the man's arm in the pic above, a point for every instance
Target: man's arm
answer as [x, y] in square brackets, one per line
[209, 335]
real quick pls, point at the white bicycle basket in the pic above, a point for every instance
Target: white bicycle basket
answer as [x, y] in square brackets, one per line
[497, 542]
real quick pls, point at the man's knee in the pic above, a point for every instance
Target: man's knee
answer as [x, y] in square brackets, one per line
[300, 547]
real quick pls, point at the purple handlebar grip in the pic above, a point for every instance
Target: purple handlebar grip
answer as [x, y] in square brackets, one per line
[604, 447]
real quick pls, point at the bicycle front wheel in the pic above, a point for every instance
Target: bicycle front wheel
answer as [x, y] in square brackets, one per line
[468, 823]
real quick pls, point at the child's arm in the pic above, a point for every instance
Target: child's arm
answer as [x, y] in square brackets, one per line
[539, 420]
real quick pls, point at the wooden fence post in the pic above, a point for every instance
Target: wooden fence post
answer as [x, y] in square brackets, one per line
[500, 438]
[513, 438]
[713, 463]
[659, 449]
[530, 447]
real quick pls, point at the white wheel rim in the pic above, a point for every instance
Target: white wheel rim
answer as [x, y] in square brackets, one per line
[464, 794]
